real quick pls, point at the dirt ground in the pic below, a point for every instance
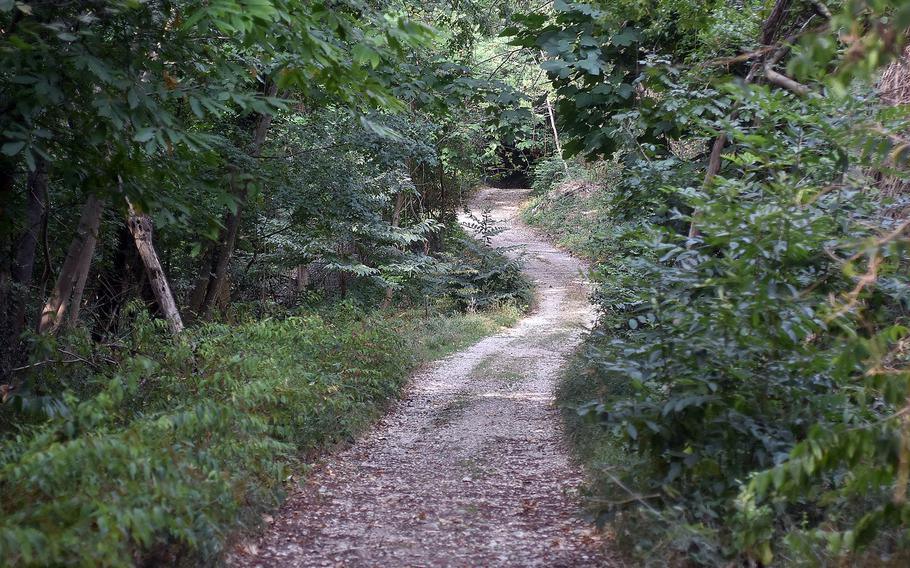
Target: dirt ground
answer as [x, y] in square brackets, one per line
[470, 468]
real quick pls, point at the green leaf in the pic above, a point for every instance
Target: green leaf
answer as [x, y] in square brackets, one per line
[364, 54]
[144, 134]
[625, 38]
[12, 148]
[196, 107]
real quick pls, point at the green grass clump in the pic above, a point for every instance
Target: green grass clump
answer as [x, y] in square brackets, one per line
[578, 222]
[442, 335]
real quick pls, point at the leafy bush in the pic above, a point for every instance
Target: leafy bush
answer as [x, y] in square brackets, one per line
[475, 276]
[752, 358]
[552, 171]
[547, 174]
[736, 371]
[182, 443]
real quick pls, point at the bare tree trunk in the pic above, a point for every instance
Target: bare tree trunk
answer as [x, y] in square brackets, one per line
[552, 115]
[47, 270]
[7, 185]
[302, 278]
[223, 254]
[24, 263]
[197, 294]
[114, 284]
[78, 261]
[141, 228]
[442, 191]
[72, 319]
[775, 20]
[216, 279]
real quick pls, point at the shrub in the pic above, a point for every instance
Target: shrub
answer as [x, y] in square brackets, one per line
[179, 444]
[474, 276]
[750, 381]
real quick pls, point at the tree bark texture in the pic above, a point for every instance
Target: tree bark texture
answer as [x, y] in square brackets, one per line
[214, 282]
[396, 221]
[552, 115]
[77, 262]
[23, 263]
[142, 230]
[221, 259]
[114, 283]
[26, 248]
[7, 186]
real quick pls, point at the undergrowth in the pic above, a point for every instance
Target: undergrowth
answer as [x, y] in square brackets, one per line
[155, 451]
[715, 408]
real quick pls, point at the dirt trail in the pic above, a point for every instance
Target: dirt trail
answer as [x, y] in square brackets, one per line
[469, 469]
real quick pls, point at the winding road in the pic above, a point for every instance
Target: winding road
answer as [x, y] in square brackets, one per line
[469, 469]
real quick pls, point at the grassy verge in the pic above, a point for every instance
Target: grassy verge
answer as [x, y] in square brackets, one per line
[575, 216]
[167, 452]
[440, 335]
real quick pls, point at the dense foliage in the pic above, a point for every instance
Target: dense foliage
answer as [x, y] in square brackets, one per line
[179, 444]
[751, 354]
[227, 231]
[213, 211]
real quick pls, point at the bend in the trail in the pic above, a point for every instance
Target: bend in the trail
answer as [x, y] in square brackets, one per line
[470, 468]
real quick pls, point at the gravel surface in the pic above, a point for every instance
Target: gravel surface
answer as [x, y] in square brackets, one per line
[470, 468]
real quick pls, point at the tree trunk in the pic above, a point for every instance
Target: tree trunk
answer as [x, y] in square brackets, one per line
[24, 264]
[775, 20]
[114, 284]
[78, 261]
[552, 115]
[47, 270]
[442, 191]
[214, 282]
[72, 318]
[223, 254]
[197, 294]
[141, 228]
[396, 221]
[22, 268]
[302, 278]
[7, 185]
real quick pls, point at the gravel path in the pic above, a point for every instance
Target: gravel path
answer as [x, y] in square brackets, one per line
[469, 469]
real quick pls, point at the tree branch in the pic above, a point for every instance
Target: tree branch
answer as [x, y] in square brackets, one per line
[821, 8]
[784, 82]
